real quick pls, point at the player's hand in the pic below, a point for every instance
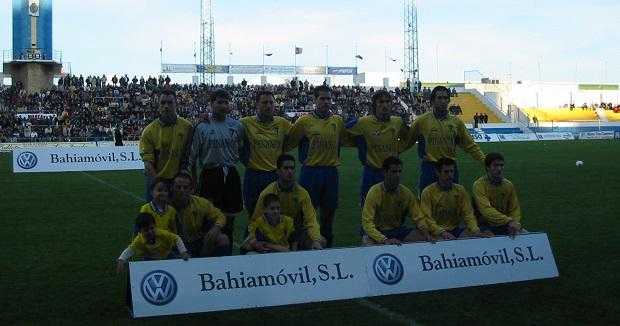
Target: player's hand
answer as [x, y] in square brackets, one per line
[213, 234]
[258, 246]
[185, 256]
[316, 245]
[447, 236]
[514, 228]
[120, 266]
[149, 170]
[427, 236]
[392, 242]
[484, 234]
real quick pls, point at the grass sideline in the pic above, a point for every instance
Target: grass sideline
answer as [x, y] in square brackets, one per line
[62, 232]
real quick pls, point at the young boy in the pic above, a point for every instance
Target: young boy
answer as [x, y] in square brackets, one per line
[271, 231]
[151, 243]
[164, 214]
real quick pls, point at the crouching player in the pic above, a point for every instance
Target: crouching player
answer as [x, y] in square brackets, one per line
[496, 199]
[151, 243]
[271, 231]
[446, 206]
[387, 205]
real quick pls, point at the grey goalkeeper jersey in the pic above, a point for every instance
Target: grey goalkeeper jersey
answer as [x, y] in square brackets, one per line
[216, 144]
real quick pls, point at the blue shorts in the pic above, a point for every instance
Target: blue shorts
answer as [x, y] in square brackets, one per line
[428, 175]
[321, 182]
[370, 177]
[399, 233]
[497, 230]
[254, 182]
[456, 232]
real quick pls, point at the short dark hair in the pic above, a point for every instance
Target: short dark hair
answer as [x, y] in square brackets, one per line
[492, 157]
[321, 88]
[219, 93]
[438, 89]
[283, 158]
[379, 94]
[262, 93]
[183, 175]
[143, 220]
[391, 160]
[444, 161]
[167, 92]
[158, 181]
[270, 198]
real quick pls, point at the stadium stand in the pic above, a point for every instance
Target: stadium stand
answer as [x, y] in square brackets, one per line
[562, 114]
[472, 105]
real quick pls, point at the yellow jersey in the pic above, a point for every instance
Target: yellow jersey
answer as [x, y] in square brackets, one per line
[278, 234]
[318, 139]
[163, 221]
[497, 204]
[165, 146]
[377, 140]
[385, 210]
[192, 218]
[295, 203]
[164, 243]
[264, 142]
[440, 137]
[444, 210]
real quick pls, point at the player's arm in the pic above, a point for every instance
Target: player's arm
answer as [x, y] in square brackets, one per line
[403, 133]
[181, 247]
[368, 217]
[123, 258]
[515, 207]
[286, 129]
[310, 221]
[295, 134]
[244, 150]
[250, 243]
[468, 144]
[258, 210]
[213, 213]
[349, 133]
[426, 207]
[468, 213]
[184, 162]
[416, 215]
[194, 152]
[147, 152]
[489, 213]
[275, 247]
[411, 135]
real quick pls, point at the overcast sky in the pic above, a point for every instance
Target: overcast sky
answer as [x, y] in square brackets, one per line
[553, 40]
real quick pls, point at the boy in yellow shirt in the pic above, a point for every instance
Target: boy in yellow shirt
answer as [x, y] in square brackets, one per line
[162, 211]
[271, 231]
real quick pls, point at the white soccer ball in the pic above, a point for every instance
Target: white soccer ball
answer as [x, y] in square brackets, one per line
[579, 163]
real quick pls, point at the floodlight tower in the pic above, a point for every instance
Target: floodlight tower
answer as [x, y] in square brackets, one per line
[207, 42]
[411, 68]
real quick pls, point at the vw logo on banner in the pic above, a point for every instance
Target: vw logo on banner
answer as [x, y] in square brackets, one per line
[159, 287]
[27, 160]
[388, 269]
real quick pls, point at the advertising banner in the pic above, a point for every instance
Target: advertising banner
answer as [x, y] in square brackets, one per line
[76, 159]
[7, 147]
[168, 287]
[555, 136]
[596, 135]
[178, 68]
[311, 70]
[517, 137]
[341, 70]
[481, 137]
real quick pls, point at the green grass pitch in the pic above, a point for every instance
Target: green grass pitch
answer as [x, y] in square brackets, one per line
[61, 234]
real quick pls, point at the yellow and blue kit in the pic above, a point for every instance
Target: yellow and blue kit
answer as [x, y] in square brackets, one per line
[162, 248]
[165, 220]
[197, 218]
[295, 203]
[445, 210]
[386, 211]
[497, 204]
[165, 146]
[278, 234]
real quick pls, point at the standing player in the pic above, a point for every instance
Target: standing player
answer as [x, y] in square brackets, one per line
[213, 156]
[446, 205]
[496, 199]
[164, 142]
[319, 136]
[387, 206]
[377, 136]
[265, 135]
[438, 134]
[295, 202]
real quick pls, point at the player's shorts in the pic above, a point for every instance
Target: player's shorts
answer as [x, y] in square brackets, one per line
[222, 186]
[321, 182]
[428, 174]
[370, 177]
[456, 232]
[254, 182]
[399, 233]
[497, 230]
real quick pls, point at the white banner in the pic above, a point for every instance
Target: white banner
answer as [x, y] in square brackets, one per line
[7, 147]
[77, 159]
[168, 287]
[596, 135]
[481, 137]
[517, 137]
[555, 136]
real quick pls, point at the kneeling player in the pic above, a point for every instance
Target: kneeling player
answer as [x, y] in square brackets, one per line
[151, 243]
[446, 206]
[496, 199]
[387, 205]
[271, 231]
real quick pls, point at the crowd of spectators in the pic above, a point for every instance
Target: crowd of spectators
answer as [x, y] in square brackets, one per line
[594, 106]
[92, 108]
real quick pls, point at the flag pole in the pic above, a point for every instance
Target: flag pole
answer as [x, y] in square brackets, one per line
[295, 58]
[263, 59]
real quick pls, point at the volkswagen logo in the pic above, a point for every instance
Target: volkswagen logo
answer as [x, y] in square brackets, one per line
[388, 269]
[159, 287]
[27, 160]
